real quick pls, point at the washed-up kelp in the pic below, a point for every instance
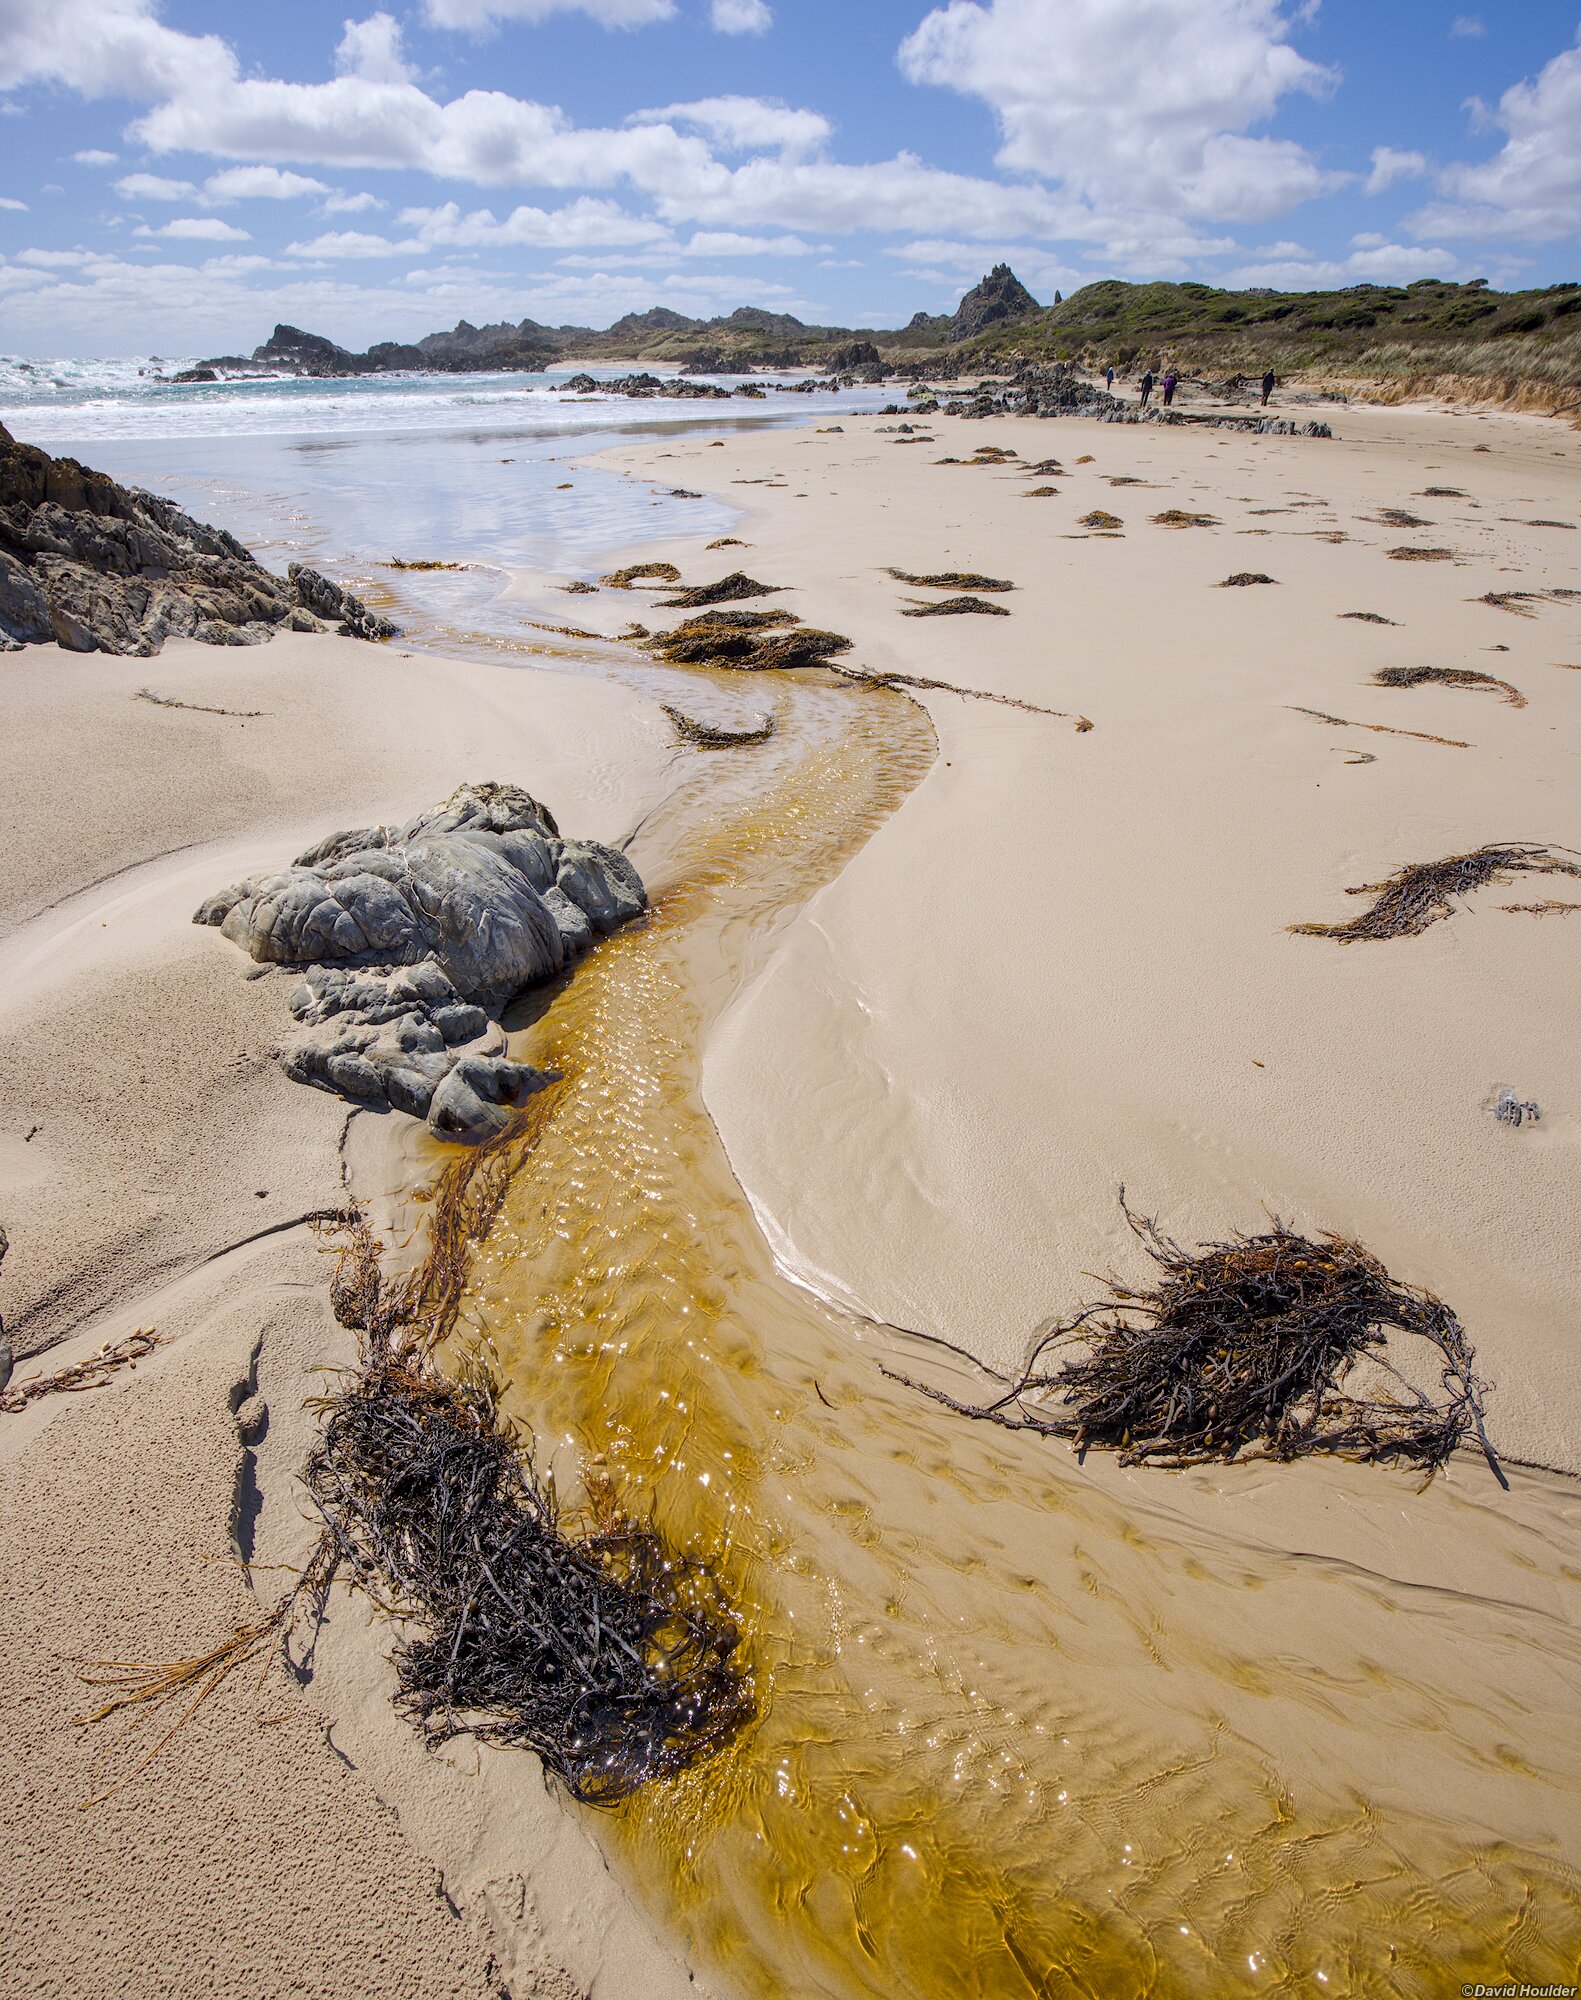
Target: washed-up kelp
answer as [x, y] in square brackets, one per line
[951, 579]
[1462, 677]
[1242, 578]
[610, 1656]
[725, 591]
[1246, 1348]
[648, 572]
[1409, 554]
[729, 542]
[1424, 892]
[708, 736]
[723, 642]
[1098, 518]
[956, 607]
[1178, 517]
[1401, 517]
[1516, 601]
[607, 1652]
[1368, 617]
[1443, 493]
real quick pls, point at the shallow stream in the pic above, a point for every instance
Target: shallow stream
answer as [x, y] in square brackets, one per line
[1024, 1726]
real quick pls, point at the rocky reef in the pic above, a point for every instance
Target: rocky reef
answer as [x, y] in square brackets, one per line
[100, 567]
[413, 938]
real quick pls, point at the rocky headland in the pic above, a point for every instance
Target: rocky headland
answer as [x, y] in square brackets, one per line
[95, 566]
[413, 938]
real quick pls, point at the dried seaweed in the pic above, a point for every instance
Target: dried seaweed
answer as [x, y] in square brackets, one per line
[608, 1654]
[1241, 578]
[725, 591]
[729, 542]
[1551, 906]
[196, 707]
[1443, 493]
[651, 572]
[951, 579]
[707, 736]
[1368, 618]
[1099, 519]
[1041, 493]
[1246, 1348]
[1380, 728]
[611, 1655]
[579, 588]
[1423, 892]
[1178, 517]
[91, 1373]
[397, 562]
[1516, 600]
[1401, 517]
[1421, 555]
[956, 607]
[1404, 677]
[716, 642]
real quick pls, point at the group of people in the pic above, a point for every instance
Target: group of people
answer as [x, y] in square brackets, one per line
[1172, 382]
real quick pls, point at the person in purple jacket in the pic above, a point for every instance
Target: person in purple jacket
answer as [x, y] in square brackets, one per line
[1170, 380]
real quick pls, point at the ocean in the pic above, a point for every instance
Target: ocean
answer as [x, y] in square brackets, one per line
[350, 475]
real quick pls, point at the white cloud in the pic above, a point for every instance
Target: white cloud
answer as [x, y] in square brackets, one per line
[744, 124]
[1374, 261]
[94, 158]
[481, 14]
[372, 50]
[728, 243]
[585, 221]
[10, 201]
[1468, 25]
[154, 187]
[741, 17]
[49, 260]
[260, 184]
[1532, 186]
[350, 204]
[197, 229]
[1133, 103]
[1390, 165]
[351, 243]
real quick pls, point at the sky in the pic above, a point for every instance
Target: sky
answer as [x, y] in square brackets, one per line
[175, 178]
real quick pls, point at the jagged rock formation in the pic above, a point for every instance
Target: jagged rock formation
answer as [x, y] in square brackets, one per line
[413, 936]
[100, 567]
[996, 300]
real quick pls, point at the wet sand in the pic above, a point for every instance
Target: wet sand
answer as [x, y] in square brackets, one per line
[916, 996]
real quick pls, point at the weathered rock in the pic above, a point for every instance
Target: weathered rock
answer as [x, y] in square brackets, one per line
[96, 566]
[403, 930]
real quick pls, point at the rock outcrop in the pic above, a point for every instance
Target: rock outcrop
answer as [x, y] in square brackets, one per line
[996, 300]
[414, 937]
[100, 567]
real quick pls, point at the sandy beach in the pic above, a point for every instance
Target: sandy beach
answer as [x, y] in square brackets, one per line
[1013, 968]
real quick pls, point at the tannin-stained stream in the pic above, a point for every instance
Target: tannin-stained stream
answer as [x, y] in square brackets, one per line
[1023, 1726]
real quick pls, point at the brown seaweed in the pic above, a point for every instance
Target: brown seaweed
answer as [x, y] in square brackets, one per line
[709, 736]
[1368, 617]
[951, 579]
[1425, 892]
[1245, 1349]
[956, 607]
[651, 572]
[736, 585]
[1242, 578]
[1099, 519]
[1178, 517]
[1465, 677]
[1409, 554]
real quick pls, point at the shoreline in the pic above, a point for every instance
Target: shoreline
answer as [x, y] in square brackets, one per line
[846, 1048]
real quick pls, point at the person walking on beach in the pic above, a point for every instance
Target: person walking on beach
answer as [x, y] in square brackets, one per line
[1268, 387]
[1108, 378]
[1170, 380]
[1147, 388]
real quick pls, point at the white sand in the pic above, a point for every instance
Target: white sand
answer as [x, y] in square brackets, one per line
[1060, 966]
[263, 1852]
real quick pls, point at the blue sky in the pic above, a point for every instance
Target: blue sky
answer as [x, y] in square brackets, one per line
[175, 178]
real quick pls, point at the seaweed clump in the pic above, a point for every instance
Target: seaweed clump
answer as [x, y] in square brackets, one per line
[648, 572]
[608, 1655]
[1101, 520]
[708, 736]
[1409, 554]
[1466, 677]
[951, 579]
[727, 590]
[1179, 517]
[1246, 1348]
[1242, 578]
[723, 640]
[956, 607]
[1369, 617]
[1424, 892]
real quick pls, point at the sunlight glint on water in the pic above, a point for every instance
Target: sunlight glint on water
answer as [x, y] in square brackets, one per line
[1015, 1738]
